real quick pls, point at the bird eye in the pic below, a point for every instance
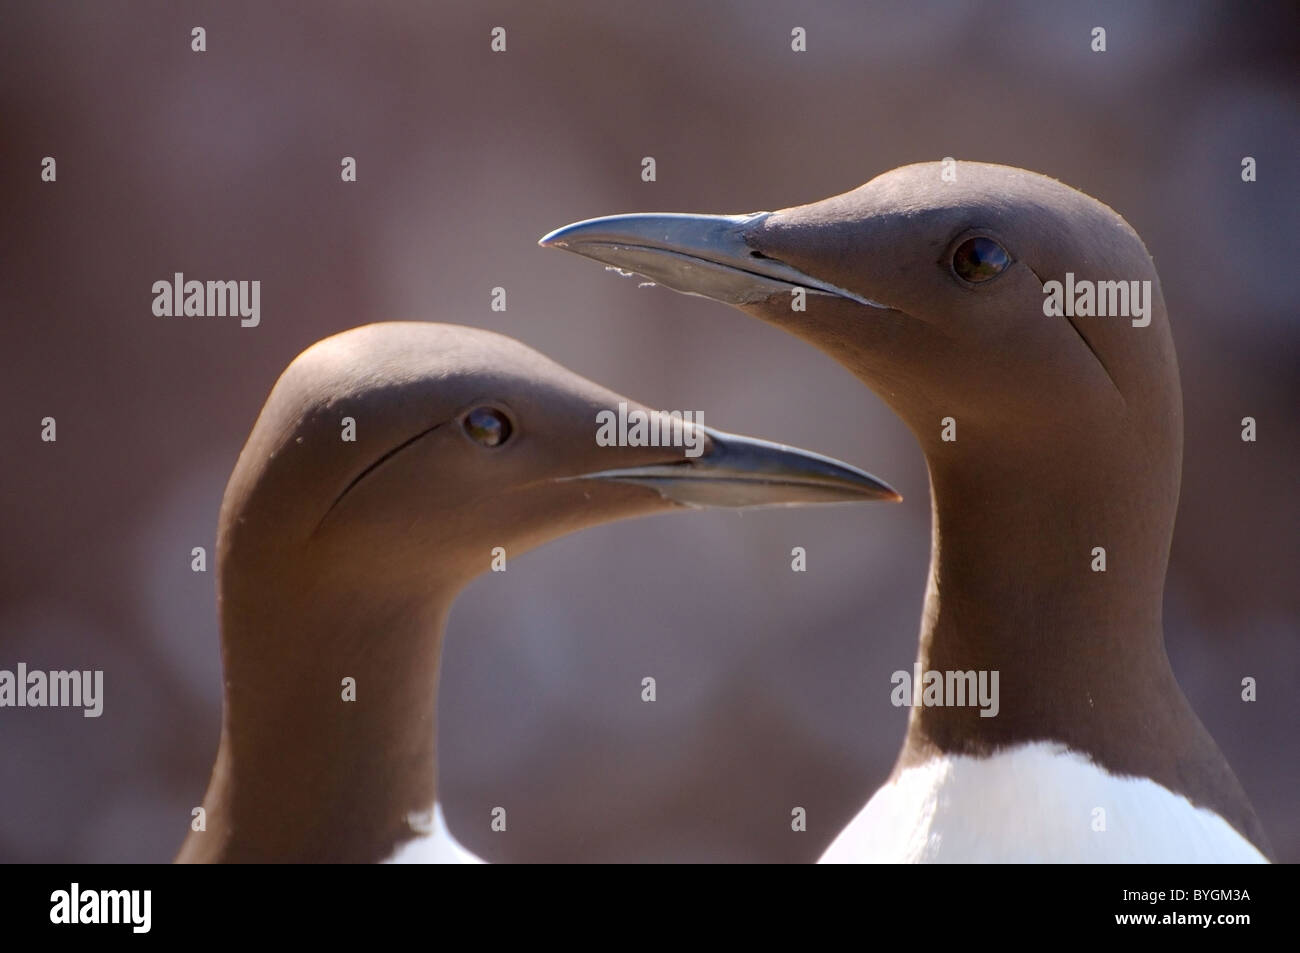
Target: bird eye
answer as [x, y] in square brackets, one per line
[979, 259]
[487, 426]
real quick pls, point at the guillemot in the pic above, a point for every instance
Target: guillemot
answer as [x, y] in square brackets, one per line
[1053, 435]
[388, 466]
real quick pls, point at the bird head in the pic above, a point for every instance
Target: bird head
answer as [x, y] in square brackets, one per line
[412, 454]
[928, 284]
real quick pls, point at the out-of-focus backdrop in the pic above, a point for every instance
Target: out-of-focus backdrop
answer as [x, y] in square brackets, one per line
[773, 686]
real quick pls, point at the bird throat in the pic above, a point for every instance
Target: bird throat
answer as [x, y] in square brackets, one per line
[1050, 588]
[328, 742]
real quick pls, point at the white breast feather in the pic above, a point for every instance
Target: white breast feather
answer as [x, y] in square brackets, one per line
[435, 846]
[1035, 803]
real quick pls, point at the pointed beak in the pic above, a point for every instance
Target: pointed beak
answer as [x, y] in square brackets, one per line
[706, 255]
[710, 256]
[737, 471]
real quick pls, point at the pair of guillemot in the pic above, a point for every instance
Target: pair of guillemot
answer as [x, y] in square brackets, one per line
[1050, 434]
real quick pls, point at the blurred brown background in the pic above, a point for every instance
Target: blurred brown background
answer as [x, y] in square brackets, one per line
[773, 686]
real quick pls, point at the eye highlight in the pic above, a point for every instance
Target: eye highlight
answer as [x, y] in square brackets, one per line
[487, 426]
[979, 259]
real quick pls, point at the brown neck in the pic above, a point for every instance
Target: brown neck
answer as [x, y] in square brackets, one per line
[1013, 589]
[1079, 653]
[301, 773]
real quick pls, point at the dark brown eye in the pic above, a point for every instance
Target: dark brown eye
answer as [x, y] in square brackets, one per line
[487, 425]
[979, 259]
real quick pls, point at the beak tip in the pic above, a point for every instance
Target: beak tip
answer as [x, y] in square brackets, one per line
[552, 239]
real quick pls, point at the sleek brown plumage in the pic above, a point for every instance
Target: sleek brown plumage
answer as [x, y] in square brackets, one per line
[1068, 437]
[341, 559]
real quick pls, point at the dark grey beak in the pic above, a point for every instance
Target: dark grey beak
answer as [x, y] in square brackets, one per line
[704, 255]
[736, 471]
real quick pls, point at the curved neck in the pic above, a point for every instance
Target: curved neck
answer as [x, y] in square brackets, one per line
[1017, 587]
[1079, 652]
[312, 768]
